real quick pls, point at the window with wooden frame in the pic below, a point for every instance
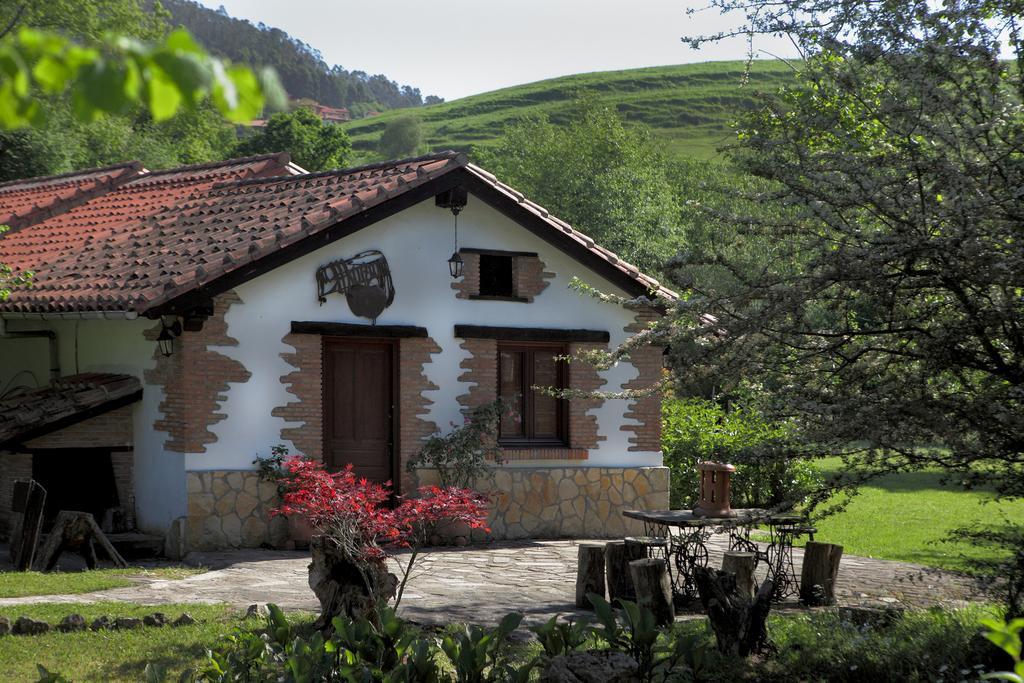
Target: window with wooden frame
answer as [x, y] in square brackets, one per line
[534, 418]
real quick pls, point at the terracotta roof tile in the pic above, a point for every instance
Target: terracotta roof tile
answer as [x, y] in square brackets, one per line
[163, 235]
[23, 202]
[70, 399]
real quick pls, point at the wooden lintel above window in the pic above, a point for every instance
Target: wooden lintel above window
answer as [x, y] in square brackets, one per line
[355, 330]
[530, 334]
[496, 252]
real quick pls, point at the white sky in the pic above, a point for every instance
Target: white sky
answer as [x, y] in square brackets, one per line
[455, 48]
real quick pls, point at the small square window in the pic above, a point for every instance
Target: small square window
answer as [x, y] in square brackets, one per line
[496, 275]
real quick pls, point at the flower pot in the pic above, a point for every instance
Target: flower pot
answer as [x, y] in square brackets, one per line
[300, 532]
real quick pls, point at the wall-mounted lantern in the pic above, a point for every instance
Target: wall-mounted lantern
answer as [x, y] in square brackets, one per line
[168, 333]
[455, 200]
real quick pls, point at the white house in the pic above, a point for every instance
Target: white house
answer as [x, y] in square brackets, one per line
[183, 322]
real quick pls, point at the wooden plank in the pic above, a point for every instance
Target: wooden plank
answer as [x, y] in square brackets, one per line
[25, 539]
[531, 334]
[356, 330]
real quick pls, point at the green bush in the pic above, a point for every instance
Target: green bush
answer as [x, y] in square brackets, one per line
[695, 429]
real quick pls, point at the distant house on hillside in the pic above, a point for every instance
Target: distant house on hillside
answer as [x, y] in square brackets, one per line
[326, 114]
[183, 322]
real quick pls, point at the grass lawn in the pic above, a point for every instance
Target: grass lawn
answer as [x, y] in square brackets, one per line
[688, 107]
[19, 584]
[906, 517]
[116, 655]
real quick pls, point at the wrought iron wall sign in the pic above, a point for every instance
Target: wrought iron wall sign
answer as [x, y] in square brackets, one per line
[364, 279]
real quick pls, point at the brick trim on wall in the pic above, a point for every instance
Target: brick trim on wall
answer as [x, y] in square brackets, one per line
[584, 377]
[469, 284]
[195, 380]
[528, 275]
[649, 362]
[305, 383]
[414, 354]
[480, 369]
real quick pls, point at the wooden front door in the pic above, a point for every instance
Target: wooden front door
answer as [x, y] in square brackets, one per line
[359, 406]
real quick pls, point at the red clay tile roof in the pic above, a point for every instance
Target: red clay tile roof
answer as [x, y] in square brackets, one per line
[28, 201]
[121, 253]
[27, 415]
[122, 211]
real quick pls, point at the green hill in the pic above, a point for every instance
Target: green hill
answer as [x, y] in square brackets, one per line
[689, 107]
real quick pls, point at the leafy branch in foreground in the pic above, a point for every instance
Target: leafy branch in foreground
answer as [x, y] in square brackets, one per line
[123, 73]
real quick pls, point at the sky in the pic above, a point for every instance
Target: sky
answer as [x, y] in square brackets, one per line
[454, 48]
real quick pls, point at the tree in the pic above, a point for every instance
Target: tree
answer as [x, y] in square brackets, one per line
[605, 178]
[400, 138]
[313, 144]
[888, 328]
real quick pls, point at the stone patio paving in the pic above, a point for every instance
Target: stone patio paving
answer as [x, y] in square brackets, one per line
[479, 584]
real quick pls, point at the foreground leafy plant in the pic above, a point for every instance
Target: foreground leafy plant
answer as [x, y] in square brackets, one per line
[164, 77]
[481, 656]
[1006, 636]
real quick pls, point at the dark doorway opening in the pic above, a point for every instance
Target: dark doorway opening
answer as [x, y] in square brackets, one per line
[75, 479]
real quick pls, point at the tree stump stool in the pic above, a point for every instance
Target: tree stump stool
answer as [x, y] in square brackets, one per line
[589, 573]
[78, 532]
[741, 564]
[654, 589]
[819, 572]
[617, 556]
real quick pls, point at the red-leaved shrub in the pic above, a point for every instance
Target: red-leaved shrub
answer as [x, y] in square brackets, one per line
[355, 513]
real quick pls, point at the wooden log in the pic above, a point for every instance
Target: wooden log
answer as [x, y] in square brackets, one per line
[819, 572]
[742, 566]
[30, 501]
[738, 622]
[589, 573]
[617, 556]
[76, 531]
[653, 588]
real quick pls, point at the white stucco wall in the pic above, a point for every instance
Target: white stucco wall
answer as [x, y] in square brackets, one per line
[417, 243]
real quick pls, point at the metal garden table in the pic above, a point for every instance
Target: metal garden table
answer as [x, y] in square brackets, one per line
[688, 533]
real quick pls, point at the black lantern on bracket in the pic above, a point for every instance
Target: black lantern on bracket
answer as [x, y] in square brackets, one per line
[168, 333]
[454, 200]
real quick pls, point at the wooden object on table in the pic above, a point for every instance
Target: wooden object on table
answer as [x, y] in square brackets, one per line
[738, 621]
[29, 502]
[741, 564]
[819, 572]
[589, 573]
[617, 556]
[78, 532]
[714, 490]
[653, 588]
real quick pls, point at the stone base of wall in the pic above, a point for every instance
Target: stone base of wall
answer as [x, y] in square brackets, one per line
[569, 502]
[228, 509]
